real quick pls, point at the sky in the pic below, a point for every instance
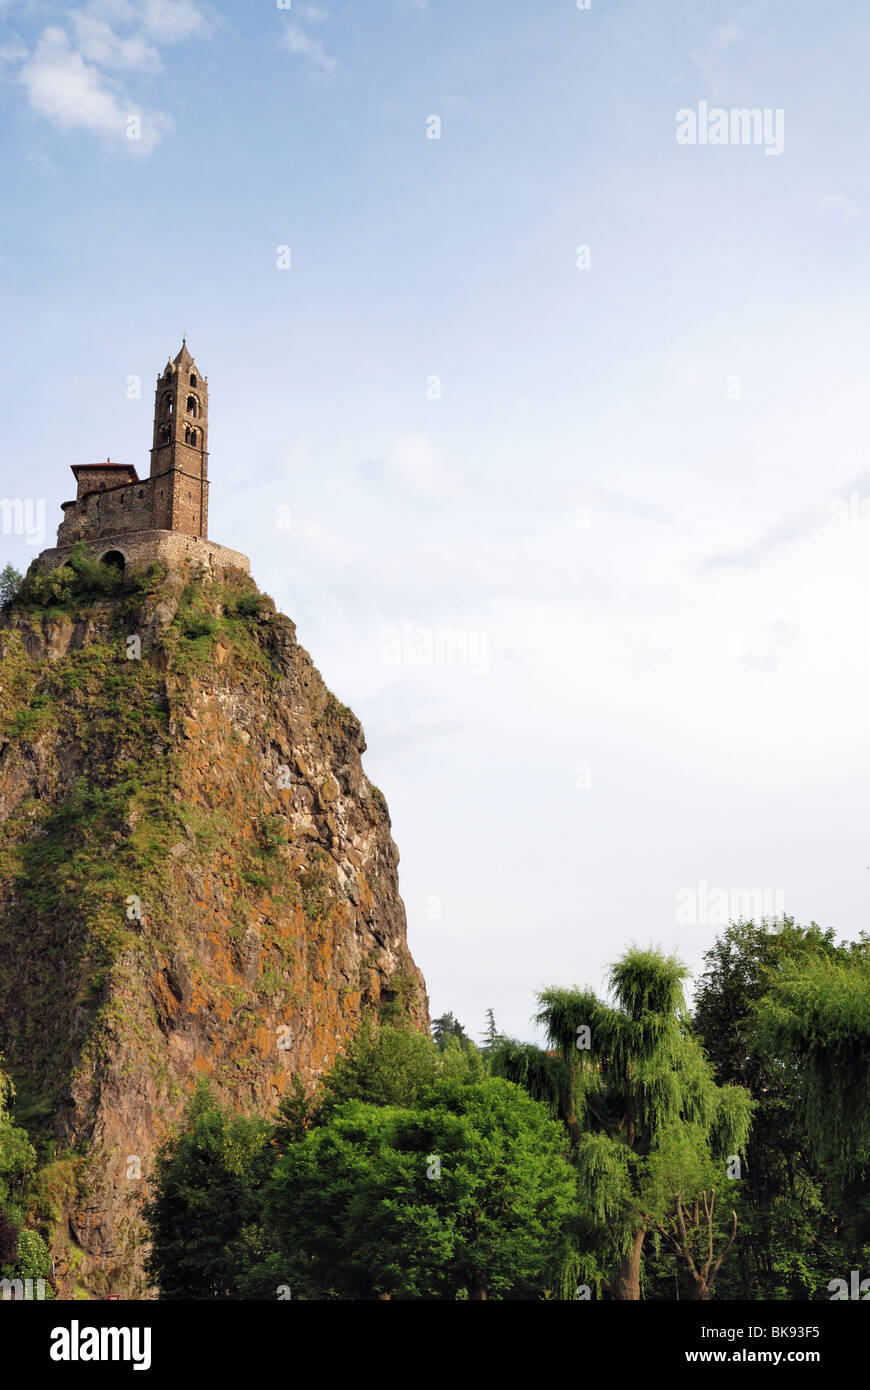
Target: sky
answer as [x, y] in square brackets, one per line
[546, 423]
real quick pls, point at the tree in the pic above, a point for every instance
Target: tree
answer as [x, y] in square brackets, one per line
[791, 1231]
[631, 1084]
[683, 1210]
[205, 1203]
[447, 1027]
[490, 1033]
[23, 1253]
[10, 583]
[8, 1239]
[814, 1022]
[816, 1014]
[464, 1195]
[383, 1065]
[17, 1155]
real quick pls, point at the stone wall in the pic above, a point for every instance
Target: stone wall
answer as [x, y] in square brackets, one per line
[188, 495]
[117, 509]
[144, 547]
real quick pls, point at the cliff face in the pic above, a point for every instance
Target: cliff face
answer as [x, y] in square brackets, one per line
[196, 879]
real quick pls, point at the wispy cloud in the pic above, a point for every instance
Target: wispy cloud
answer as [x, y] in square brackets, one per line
[709, 60]
[74, 94]
[173, 21]
[73, 76]
[800, 526]
[12, 52]
[777, 635]
[415, 469]
[636, 507]
[311, 14]
[98, 43]
[306, 46]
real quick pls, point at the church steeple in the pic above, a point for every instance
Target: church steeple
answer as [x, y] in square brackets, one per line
[179, 456]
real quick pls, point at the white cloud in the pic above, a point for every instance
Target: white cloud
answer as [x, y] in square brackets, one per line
[777, 635]
[709, 61]
[71, 79]
[75, 95]
[172, 21]
[416, 464]
[12, 52]
[305, 46]
[99, 44]
[726, 35]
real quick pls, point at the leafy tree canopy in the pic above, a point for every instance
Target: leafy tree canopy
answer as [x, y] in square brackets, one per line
[465, 1195]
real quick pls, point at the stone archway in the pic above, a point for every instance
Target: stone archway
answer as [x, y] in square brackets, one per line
[115, 559]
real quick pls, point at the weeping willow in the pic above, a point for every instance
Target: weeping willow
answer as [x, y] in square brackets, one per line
[816, 1020]
[649, 1129]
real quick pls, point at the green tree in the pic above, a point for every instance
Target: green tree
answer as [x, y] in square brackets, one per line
[637, 1097]
[791, 1234]
[17, 1155]
[447, 1027]
[383, 1065]
[816, 1015]
[490, 1033]
[8, 1239]
[815, 1021]
[204, 1209]
[386, 1065]
[10, 583]
[23, 1252]
[465, 1195]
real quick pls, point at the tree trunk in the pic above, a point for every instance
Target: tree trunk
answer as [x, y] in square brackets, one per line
[627, 1282]
[477, 1293]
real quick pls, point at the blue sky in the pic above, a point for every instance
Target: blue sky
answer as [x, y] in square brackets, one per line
[633, 515]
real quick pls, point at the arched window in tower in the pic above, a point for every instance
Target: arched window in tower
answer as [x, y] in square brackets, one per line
[192, 406]
[193, 379]
[165, 434]
[193, 436]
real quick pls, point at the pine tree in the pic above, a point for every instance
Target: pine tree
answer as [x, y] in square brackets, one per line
[448, 1027]
[490, 1034]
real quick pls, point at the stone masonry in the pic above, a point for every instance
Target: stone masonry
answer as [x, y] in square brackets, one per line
[164, 517]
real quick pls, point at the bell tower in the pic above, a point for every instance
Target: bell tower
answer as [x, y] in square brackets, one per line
[179, 456]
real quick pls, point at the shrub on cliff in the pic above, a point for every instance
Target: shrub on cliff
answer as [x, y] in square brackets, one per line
[23, 1252]
[82, 579]
[17, 1155]
[10, 583]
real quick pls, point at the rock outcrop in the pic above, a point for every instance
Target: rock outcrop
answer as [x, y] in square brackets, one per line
[196, 879]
